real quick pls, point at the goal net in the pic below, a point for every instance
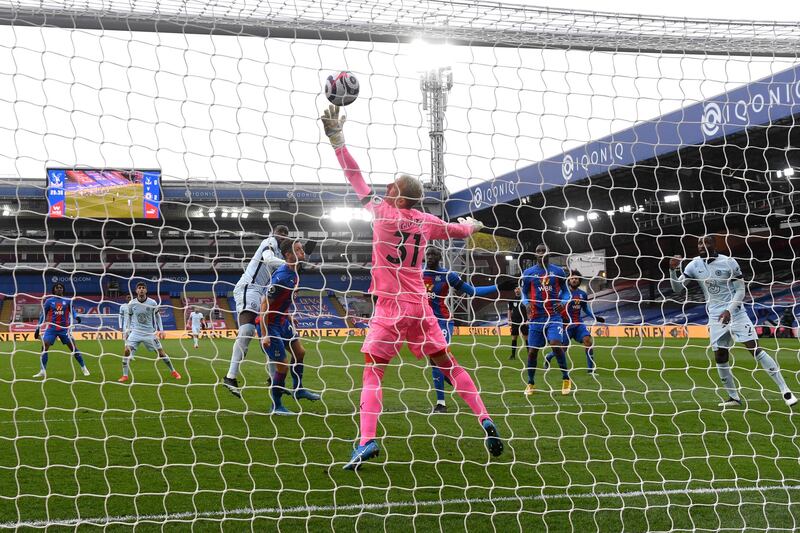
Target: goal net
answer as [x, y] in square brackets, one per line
[159, 144]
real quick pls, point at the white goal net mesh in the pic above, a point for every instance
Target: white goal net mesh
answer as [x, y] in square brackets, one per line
[162, 143]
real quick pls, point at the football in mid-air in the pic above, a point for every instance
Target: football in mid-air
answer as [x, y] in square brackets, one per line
[342, 89]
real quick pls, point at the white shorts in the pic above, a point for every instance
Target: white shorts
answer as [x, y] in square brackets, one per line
[196, 332]
[247, 298]
[150, 342]
[739, 329]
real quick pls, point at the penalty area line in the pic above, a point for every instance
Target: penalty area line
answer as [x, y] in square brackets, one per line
[362, 507]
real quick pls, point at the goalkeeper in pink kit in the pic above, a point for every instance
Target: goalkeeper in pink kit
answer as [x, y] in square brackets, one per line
[402, 312]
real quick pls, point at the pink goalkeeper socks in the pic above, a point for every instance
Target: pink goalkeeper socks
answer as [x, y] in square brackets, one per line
[465, 387]
[371, 402]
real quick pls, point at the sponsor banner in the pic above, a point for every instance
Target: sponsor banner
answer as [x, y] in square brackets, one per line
[667, 331]
[488, 330]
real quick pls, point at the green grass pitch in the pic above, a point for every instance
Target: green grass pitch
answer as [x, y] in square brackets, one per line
[642, 447]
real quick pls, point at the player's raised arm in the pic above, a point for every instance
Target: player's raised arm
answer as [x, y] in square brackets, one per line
[676, 279]
[334, 130]
[272, 261]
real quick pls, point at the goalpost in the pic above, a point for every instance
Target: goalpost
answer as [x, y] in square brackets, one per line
[616, 140]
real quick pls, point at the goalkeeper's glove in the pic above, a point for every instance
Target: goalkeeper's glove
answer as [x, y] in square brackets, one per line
[36, 334]
[333, 125]
[476, 225]
[507, 283]
[599, 319]
[78, 320]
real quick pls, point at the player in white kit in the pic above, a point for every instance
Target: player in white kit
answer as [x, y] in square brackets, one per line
[143, 327]
[198, 323]
[723, 286]
[247, 294]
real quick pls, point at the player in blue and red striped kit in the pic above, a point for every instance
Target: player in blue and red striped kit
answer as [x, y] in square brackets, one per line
[575, 307]
[544, 288]
[54, 323]
[279, 334]
[438, 282]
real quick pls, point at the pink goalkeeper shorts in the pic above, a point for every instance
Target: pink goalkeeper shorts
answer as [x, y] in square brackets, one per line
[395, 322]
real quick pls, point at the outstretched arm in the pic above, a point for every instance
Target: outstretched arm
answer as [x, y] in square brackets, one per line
[460, 285]
[333, 125]
[435, 228]
[353, 174]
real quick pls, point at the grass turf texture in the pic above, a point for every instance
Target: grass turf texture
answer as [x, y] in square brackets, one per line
[647, 428]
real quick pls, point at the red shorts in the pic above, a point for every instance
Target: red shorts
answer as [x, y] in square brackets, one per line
[395, 322]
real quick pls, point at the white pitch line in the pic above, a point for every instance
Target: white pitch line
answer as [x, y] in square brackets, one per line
[313, 509]
[541, 409]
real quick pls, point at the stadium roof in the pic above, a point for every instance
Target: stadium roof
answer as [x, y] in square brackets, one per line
[763, 102]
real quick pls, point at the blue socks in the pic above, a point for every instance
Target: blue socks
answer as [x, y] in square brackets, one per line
[590, 359]
[44, 361]
[79, 358]
[561, 357]
[277, 389]
[532, 368]
[297, 374]
[438, 384]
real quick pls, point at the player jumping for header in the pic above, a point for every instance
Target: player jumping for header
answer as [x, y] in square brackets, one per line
[402, 312]
[279, 333]
[57, 317]
[248, 293]
[723, 286]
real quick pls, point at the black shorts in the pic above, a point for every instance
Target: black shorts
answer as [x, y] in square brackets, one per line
[516, 328]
